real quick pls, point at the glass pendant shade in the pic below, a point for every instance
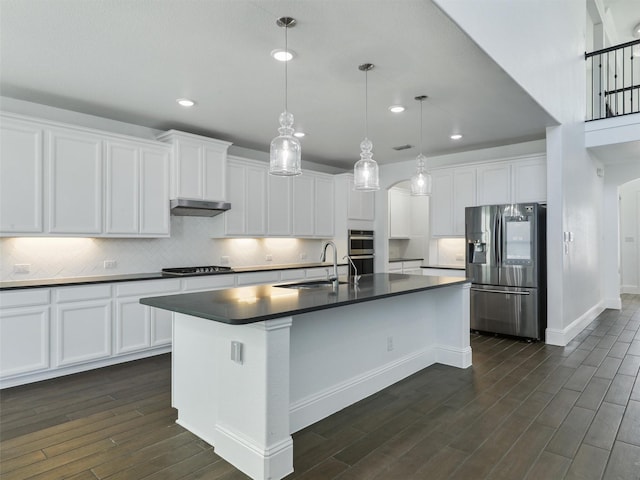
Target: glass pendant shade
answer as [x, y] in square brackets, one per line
[365, 171]
[421, 180]
[285, 152]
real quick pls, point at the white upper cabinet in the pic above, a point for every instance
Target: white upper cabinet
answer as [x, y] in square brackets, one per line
[304, 205]
[247, 182]
[279, 201]
[268, 205]
[361, 205]
[198, 166]
[529, 180]
[61, 180]
[21, 174]
[509, 181]
[494, 184]
[464, 195]
[399, 213]
[324, 206]
[74, 182]
[137, 189]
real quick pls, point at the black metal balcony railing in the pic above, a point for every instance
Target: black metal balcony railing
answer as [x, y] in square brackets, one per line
[614, 77]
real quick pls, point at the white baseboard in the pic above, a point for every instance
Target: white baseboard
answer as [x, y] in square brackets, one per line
[25, 378]
[564, 336]
[613, 303]
[632, 289]
[454, 357]
[313, 408]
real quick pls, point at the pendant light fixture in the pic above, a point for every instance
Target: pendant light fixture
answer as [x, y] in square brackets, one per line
[421, 180]
[365, 171]
[285, 151]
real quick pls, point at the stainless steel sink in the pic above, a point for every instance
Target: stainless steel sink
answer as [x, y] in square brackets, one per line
[311, 284]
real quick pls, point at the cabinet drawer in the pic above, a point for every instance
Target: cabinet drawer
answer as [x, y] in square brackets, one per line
[292, 274]
[25, 298]
[209, 282]
[259, 277]
[88, 292]
[130, 289]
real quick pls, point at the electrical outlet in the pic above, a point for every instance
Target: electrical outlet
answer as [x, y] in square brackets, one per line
[110, 264]
[21, 268]
[389, 344]
[268, 257]
[224, 260]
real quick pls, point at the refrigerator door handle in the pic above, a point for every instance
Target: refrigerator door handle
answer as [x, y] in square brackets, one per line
[487, 290]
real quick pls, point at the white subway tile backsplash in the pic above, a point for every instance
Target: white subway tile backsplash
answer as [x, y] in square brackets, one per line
[190, 244]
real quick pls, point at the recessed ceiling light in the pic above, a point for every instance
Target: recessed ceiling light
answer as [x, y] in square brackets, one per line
[396, 108]
[299, 134]
[282, 55]
[185, 102]
[456, 136]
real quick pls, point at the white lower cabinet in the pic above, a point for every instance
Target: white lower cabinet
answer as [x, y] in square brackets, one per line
[137, 326]
[24, 332]
[82, 324]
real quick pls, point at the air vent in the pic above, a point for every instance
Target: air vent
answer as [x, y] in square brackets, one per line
[402, 147]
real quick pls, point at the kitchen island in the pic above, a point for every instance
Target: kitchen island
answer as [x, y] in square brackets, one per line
[252, 365]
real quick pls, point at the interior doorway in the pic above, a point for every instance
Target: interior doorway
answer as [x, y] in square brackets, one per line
[629, 195]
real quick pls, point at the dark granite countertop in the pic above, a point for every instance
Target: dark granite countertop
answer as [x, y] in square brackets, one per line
[446, 267]
[70, 281]
[393, 260]
[244, 305]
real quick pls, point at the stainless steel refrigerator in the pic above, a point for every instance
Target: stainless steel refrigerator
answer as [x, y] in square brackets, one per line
[506, 261]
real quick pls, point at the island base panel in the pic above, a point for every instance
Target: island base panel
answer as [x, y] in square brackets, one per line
[241, 408]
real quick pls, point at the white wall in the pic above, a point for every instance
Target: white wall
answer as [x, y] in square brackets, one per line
[541, 45]
[629, 237]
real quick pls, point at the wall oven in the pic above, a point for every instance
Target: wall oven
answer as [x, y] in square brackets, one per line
[361, 251]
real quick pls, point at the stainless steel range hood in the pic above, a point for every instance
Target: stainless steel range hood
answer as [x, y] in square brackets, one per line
[197, 208]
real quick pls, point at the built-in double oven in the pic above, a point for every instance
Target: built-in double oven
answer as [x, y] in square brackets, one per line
[361, 251]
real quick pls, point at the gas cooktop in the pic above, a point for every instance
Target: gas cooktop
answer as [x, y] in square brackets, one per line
[207, 270]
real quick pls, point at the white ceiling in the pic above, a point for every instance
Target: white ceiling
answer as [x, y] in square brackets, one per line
[129, 60]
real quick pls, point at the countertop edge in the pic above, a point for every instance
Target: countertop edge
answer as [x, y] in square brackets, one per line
[299, 311]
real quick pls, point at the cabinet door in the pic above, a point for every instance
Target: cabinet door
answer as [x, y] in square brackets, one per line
[161, 327]
[360, 204]
[256, 181]
[154, 192]
[494, 184]
[304, 205]
[83, 331]
[530, 180]
[235, 218]
[122, 188]
[215, 166]
[132, 325]
[24, 340]
[188, 170]
[279, 205]
[324, 207]
[20, 177]
[399, 213]
[75, 183]
[442, 204]
[464, 195]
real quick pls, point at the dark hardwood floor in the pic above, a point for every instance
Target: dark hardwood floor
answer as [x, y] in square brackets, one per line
[523, 411]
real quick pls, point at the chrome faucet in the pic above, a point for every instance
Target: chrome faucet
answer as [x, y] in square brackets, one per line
[323, 258]
[356, 277]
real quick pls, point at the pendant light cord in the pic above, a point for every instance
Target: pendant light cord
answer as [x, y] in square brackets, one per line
[421, 117]
[366, 103]
[286, 51]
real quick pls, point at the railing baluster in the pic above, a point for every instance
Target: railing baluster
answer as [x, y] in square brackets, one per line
[613, 82]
